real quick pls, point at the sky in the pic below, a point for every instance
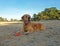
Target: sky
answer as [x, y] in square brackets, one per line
[17, 8]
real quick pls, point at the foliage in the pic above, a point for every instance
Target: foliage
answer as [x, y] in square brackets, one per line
[14, 19]
[48, 14]
[3, 19]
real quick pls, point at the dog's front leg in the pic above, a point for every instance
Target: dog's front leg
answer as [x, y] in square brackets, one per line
[22, 30]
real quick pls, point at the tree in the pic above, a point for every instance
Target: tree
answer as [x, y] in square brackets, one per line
[48, 13]
[34, 17]
[11, 19]
[1, 19]
[14, 19]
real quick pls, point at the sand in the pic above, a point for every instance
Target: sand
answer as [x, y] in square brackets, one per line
[49, 37]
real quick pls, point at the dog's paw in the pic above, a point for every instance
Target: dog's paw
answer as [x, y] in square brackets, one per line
[26, 33]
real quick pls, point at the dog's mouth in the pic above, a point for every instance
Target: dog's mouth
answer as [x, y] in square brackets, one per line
[26, 22]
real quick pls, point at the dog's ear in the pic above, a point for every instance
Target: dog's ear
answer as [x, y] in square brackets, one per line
[22, 17]
[29, 18]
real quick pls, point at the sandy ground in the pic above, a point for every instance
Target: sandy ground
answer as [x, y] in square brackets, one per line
[49, 37]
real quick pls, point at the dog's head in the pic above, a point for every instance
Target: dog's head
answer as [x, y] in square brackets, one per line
[26, 18]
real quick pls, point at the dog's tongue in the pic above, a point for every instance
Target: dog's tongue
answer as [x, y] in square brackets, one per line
[26, 22]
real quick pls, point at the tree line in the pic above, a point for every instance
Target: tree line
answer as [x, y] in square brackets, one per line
[48, 14]
[5, 19]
